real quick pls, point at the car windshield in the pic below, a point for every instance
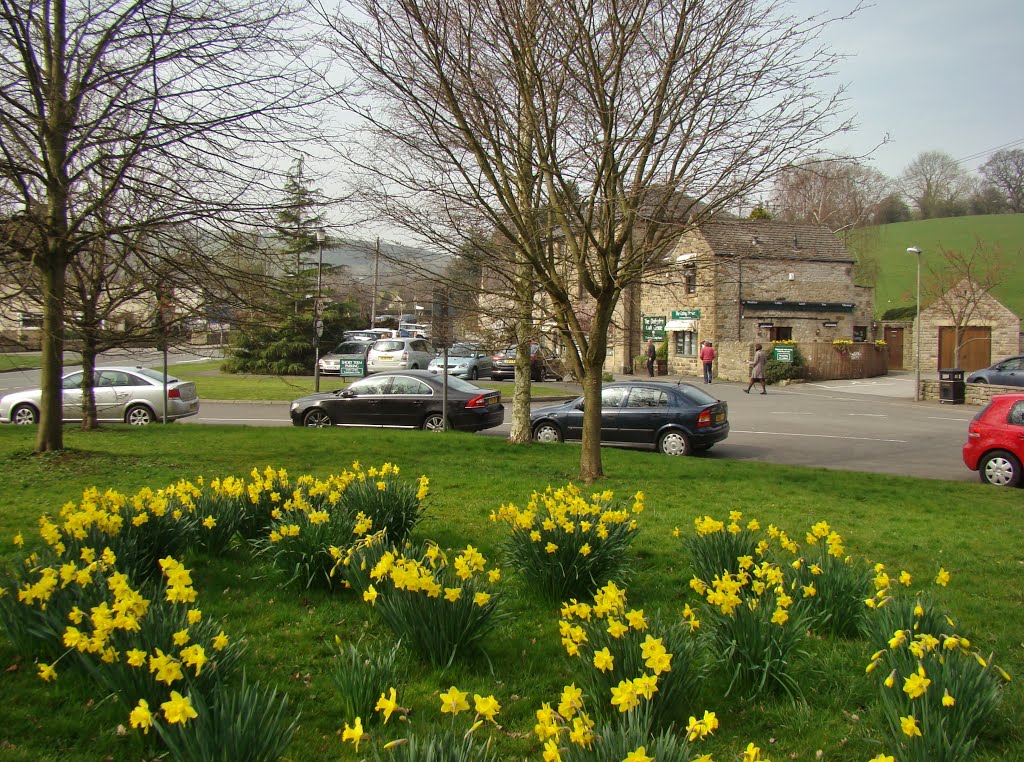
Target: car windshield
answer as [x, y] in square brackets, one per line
[388, 345]
[350, 348]
[461, 350]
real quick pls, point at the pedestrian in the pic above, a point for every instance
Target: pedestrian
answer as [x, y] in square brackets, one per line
[651, 354]
[707, 356]
[756, 369]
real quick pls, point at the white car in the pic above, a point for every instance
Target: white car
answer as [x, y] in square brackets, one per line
[399, 354]
[123, 395]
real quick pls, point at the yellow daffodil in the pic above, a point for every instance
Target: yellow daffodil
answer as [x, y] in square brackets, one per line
[486, 707]
[909, 726]
[178, 709]
[603, 660]
[387, 705]
[141, 717]
[454, 701]
[639, 755]
[353, 733]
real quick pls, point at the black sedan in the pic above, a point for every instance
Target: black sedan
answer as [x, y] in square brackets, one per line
[677, 419]
[410, 399]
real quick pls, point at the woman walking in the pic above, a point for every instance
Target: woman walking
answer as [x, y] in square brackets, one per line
[756, 369]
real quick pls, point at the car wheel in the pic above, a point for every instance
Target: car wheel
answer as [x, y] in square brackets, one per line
[317, 418]
[1000, 468]
[547, 432]
[674, 443]
[473, 374]
[979, 381]
[414, 366]
[138, 415]
[24, 415]
[434, 422]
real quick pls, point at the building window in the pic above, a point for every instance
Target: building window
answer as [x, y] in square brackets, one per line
[686, 343]
[860, 333]
[31, 320]
[782, 333]
[690, 278]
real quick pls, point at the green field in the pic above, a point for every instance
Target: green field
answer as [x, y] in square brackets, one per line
[917, 525]
[898, 269]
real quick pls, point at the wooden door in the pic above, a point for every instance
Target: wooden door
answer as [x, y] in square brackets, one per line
[894, 347]
[975, 347]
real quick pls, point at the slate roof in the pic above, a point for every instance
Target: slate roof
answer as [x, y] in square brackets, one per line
[772, 239]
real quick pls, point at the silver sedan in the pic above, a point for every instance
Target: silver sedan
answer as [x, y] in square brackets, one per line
[132, 395]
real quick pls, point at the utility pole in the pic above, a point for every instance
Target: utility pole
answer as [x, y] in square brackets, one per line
[376, 275]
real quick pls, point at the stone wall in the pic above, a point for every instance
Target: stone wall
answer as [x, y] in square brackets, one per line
[974, 394]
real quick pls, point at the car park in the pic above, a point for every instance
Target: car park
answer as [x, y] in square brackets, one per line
[465, 361]
[676, 419]
[1008, 372]
[401, 353]
[346, 359]
[133, 395]
[402, 399]
[503, 364]
[995, 441]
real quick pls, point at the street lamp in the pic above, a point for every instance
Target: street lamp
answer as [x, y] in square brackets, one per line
[318, 323]
[917, 330]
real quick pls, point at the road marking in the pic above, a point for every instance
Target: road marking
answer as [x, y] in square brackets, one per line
[783, 412]
[939, 418]
[818, 436]
[870, 415]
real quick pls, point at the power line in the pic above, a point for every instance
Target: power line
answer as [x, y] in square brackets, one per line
[990, 151]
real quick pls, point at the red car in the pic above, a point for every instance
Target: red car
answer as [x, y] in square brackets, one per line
[995, 441]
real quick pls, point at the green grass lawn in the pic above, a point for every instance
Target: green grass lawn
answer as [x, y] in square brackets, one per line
[905, 523]
[898, 269]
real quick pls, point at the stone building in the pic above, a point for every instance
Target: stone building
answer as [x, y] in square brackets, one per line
[988, 331]
[739, 282]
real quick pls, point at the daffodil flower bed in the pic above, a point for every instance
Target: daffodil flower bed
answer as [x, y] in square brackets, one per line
[566, 545]
[320, 516]
[627, 654]
[105, 596]
[441, 608]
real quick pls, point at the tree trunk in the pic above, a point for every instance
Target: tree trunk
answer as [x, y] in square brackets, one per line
[50, 436]
[88, 388]
[591, 467]
[520, 432]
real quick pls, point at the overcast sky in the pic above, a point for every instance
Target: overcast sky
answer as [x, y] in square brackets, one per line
[944, 75]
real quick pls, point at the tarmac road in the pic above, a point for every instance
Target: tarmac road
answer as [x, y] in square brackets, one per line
[867, 425]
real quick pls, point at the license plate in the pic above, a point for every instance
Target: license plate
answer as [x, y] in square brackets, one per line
[383, 358]
[492, 400]
[719, 417]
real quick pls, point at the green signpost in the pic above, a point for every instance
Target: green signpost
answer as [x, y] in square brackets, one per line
[352, 368]
[653, 327]
[784, 354]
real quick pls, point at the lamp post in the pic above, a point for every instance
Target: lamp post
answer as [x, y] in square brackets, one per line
[917, 328]
[318, 323]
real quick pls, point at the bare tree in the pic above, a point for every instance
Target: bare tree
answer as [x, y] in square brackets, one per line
[961, 282]
[838, 194]
[937, 185]
[177, 106]
[1005, 170]
[584, 135]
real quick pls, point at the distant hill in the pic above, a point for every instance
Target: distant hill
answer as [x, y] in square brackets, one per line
[898, 269]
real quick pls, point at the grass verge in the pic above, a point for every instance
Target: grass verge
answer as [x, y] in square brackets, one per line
[905, 523]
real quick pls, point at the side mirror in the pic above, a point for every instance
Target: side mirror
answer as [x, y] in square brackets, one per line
[579, 405]
[348, 393]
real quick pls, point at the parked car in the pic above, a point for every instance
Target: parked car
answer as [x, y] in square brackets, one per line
[675, 419]
[402, 399]
[123, 394]
[542, 365]
[465, 361]
[995, 441]
[349, 356]
[403, 353]
[1008, 372]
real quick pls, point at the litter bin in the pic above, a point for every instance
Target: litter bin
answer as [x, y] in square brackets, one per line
[951, 386]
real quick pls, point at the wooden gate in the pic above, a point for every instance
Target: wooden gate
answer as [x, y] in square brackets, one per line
[894, 346]
[975, 347]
